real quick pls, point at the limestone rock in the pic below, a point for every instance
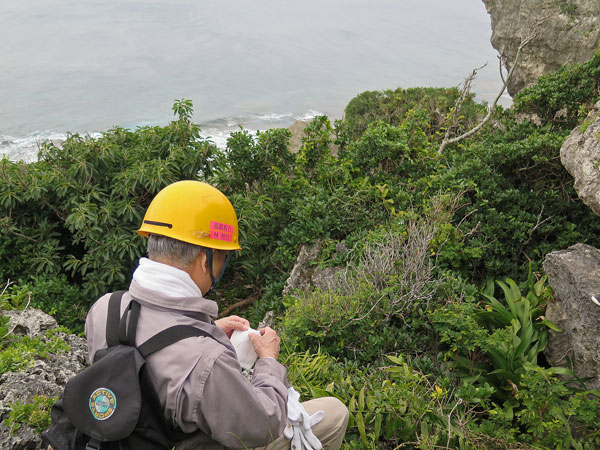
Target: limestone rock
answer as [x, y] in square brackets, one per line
[268, 320]
[580, 154]
[25, 439]
[306, 275]
[569, 34]
[45, 376]
[574, 275]
[30, 322]
[300, 277]
[297, 131]
[297, 134]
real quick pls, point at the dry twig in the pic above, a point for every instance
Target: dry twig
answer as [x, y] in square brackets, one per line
[8, 283]
[525, 40]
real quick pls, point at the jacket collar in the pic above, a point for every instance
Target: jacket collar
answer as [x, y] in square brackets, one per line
[197, 307]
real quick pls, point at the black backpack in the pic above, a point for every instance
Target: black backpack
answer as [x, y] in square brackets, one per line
[112, 404]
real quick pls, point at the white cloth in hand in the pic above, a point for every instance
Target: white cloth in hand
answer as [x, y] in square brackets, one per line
[300, 423]
[244, 348]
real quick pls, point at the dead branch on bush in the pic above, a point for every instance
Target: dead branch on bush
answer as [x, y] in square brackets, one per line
[538, 224]
[6, 286]
[246, 302]
[532, 34]
[406, 263]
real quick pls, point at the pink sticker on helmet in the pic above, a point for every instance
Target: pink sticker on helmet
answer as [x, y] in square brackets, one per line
[220, 235]
[218, 226]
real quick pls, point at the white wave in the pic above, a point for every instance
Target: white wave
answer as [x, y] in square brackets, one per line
[309, 115]
[25, 148]
[289, 117]
[219, 137]
[274, 117]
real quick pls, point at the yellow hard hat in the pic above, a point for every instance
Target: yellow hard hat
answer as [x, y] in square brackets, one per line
[193, 212]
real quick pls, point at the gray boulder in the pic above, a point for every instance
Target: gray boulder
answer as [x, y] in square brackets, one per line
[46, 376]
[30, 322]
[569, 34]
[307, 275]
[574, 275]
[580, 154]
[297, 135]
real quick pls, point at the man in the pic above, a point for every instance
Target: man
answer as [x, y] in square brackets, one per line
[192, 229]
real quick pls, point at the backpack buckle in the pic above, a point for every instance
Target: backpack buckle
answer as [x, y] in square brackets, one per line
[93, 444]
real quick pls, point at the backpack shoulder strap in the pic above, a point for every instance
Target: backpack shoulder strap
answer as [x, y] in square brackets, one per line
[113, 318]
[170, 336]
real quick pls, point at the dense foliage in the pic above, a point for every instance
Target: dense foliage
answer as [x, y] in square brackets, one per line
[412, 333]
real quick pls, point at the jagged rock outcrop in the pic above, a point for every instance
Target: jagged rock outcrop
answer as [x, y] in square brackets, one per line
[45, 376]
[31, 322]
[574, 275]
[580, 154]
[297, 134]
[306, 275]
[569, 34]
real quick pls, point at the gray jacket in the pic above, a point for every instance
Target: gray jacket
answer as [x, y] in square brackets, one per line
[199, 380]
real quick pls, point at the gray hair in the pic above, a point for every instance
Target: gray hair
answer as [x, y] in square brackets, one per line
[166, 249]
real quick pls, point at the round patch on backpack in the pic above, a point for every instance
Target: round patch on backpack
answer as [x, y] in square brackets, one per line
[103, 403]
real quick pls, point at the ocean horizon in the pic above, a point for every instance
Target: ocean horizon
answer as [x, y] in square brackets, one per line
[85, 67]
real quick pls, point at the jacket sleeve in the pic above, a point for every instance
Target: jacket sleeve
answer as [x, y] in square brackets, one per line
[239, 413]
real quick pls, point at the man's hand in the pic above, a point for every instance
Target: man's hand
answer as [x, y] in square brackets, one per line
[231, 323]
[267, 344]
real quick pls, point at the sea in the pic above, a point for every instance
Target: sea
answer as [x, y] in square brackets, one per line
[72, 66]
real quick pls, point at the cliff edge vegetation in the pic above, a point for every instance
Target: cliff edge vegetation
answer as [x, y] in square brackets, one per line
[432, 331]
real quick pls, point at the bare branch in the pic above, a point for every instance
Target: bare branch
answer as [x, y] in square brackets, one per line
[246, 302]
[6, 286]
[534, 32]
[500, 67]
[459, 101]
[538, 224]
[20, 316]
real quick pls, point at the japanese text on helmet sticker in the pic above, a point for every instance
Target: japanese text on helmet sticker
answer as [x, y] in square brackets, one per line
[221, 231]
[220, 236]
[218, 226]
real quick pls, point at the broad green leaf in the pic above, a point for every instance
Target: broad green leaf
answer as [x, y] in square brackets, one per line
[377, 426]
[361, 399]
[394, 359]
[550, 325]
[559, 371]
[360, 424]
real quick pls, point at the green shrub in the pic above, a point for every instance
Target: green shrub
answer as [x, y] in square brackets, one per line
[35, 415]
[572, 90]
[495, 344]
[545, 414]
[392, 107]
[20, 352]
[400, 150]
[56, 296]
[520, 201]
[75, 211]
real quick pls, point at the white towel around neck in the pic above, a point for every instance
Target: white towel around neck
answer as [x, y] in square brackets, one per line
[167, 279]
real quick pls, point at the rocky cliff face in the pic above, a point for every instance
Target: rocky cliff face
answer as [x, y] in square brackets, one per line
[569, 34]
[573, 275]
[45, 376]
[580, 154]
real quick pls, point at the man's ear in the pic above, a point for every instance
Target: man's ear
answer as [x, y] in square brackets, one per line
[203, 260]
[200, 264]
